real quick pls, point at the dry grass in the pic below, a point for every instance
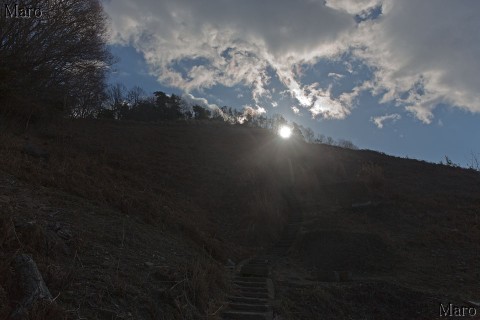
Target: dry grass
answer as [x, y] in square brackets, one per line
[8, 246]
[193, 294]
[372, 300]
[46, 310]
[372, 176]
[174, 177]
[196, 195]
[13, 242]
[129, 169]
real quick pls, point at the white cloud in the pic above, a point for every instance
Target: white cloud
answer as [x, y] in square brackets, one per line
[249, 111]
[191, 100]
[230, 42]
[421, 53]
[352, 6]
[424, 53]
[381, 119]
[295, 110]
[336, 76]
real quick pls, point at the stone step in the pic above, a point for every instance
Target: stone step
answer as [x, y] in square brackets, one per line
[259, 262]
[239, 299]
[289, 236]
[250, 284]
[251, 279]
[249, 307]
[243, 315]
[257, 271]
[260, 266]
[252, 294]
[252, 289]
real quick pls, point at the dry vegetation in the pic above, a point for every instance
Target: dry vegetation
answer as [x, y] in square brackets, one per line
[148, 212]
[406, 230]
[128, 220]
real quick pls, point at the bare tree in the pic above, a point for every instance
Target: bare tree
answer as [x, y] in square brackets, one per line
[347, 144]
[309, 135]
[134, 96]
[116, 98]
[55, 53]
[320, 138]
[330, 141]
[474, 162]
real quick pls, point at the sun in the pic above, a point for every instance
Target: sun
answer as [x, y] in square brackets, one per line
[285, 132]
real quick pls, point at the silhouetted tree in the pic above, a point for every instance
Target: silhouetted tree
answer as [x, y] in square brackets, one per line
[320, 138]
[347, 144]
[277, 121]
[59, 57]
[86, 100]
[474, 162]
[309, 135]
[134, 96]
[105, 114]
[169, 108]
[297, 132]
[449, 162]
[217, 115]
[200, 113]
[330, 141]
[116, 100]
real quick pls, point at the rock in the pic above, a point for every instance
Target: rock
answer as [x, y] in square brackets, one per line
[149, 264]
[64, 234]
[31, 284]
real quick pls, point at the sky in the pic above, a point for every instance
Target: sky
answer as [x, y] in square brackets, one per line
[396, 76]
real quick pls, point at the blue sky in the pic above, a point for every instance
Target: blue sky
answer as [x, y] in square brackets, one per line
[399, 77]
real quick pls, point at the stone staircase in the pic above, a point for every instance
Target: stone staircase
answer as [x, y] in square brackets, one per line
[253, 290]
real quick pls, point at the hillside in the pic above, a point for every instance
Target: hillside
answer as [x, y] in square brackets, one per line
[129, 220]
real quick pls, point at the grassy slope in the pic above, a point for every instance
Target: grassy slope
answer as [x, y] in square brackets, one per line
[417, 245]
[183, 197]
[188, 197]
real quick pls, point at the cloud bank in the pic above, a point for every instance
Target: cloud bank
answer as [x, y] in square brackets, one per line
[421, 53]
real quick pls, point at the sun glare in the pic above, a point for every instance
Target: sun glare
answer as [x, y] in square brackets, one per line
[285, 132]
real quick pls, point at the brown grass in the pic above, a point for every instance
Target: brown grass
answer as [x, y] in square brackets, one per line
[46, 310]
[193, 294]
[175, 177]
[186, 198]
[372, 176]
